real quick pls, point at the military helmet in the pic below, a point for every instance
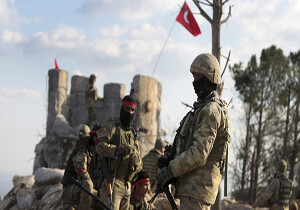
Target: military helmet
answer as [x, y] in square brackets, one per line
[159, 143]
[207, 65]
[84, 131]
[281, 167]
[93, 76]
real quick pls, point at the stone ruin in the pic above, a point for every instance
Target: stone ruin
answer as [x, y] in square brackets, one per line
[66, 114]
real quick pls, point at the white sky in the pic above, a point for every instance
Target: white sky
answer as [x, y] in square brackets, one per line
[117, 40]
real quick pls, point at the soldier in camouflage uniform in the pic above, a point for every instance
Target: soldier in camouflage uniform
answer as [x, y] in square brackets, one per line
[141, 187]
[278, 192]
[119, 145]
[79, 167]
[150, 161]
[91, 96]
[202, 140]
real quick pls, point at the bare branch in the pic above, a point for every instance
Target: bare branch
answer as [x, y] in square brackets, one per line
[208, 3]
[202, 12]
[226, 63]
[187, 105]
[229, 14]
[225, 2]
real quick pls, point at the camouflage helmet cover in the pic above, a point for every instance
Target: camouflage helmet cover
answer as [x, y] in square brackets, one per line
[207, 65]
[281, 167]
[84, 131]
[92, 76]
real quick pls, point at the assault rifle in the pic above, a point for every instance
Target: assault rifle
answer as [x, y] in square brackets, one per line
[162, 162]
[101, 205]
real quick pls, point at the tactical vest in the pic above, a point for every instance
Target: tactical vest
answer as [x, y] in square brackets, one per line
[220, 147]
[70, 172]
[285, 190]
[120, 167]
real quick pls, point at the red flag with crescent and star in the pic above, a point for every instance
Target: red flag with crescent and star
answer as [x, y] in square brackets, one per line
[186, 18]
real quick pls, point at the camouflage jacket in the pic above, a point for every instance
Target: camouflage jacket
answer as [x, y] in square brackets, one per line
[138, 205]
[150, 165]
[272, 194]
[91, 96]
[114, 134]
[79, 162]
[201, 149]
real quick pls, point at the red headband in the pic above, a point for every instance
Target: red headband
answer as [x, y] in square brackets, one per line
[128, 103]
[142, 180]
[93, 131]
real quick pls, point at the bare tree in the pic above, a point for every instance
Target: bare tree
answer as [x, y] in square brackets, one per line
[216, 22]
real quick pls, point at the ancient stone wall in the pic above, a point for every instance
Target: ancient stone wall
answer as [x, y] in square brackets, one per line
[66, 114]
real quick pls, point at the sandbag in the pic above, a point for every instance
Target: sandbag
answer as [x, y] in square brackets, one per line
[48, 176]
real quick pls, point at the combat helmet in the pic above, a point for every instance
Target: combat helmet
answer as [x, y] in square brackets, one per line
[84, 131]
[207, 65]
[281, 167]
[92, 77]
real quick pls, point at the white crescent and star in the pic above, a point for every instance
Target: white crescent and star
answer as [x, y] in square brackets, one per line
[185, 16]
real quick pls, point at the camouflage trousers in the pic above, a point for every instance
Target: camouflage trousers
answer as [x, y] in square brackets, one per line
[120, 196]
[187, 203]
[92, 117]
[75, 196]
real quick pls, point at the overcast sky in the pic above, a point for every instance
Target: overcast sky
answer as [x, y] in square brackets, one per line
[117, 40]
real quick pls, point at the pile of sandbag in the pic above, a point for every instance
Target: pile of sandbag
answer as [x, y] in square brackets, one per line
[43, 190]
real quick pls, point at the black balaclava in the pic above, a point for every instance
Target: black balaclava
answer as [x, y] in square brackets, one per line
[203, 87]
[125, 117]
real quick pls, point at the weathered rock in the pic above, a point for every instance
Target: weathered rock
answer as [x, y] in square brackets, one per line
[57, 150]
[62, 128]
[52, 199]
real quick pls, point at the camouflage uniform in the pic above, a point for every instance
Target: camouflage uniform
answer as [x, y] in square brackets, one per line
[202, 149]
[277, 193]
[113, 134]
[202, 141]
[150, 165]
[138, 205]
[91, 96]
[78, 167]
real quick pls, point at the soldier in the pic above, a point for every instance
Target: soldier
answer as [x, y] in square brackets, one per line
[201, 145]
[91, 96]
[141, 187]
[278, 192]
[119, 145]
[78, 167]
[150, 161]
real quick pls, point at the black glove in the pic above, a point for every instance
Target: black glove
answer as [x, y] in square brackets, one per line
[165, 174]
[123, 150]
[134, 159]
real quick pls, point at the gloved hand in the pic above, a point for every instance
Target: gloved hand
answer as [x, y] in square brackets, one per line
[123, 150]
[134, 159]
[165, 174]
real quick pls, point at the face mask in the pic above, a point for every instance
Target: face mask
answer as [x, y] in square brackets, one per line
[199, 85]
[203, 87]
[126, 118]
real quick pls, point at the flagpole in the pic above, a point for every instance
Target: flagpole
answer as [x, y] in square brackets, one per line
[163, 48]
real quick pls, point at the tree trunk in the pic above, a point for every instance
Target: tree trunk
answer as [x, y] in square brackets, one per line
[215, 28]
[252, 197]
[246, 148]
[258, 147]
[295, 143]
[286, 134]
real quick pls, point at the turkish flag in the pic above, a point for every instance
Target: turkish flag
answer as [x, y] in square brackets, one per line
[186, 18]
[55, 64]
